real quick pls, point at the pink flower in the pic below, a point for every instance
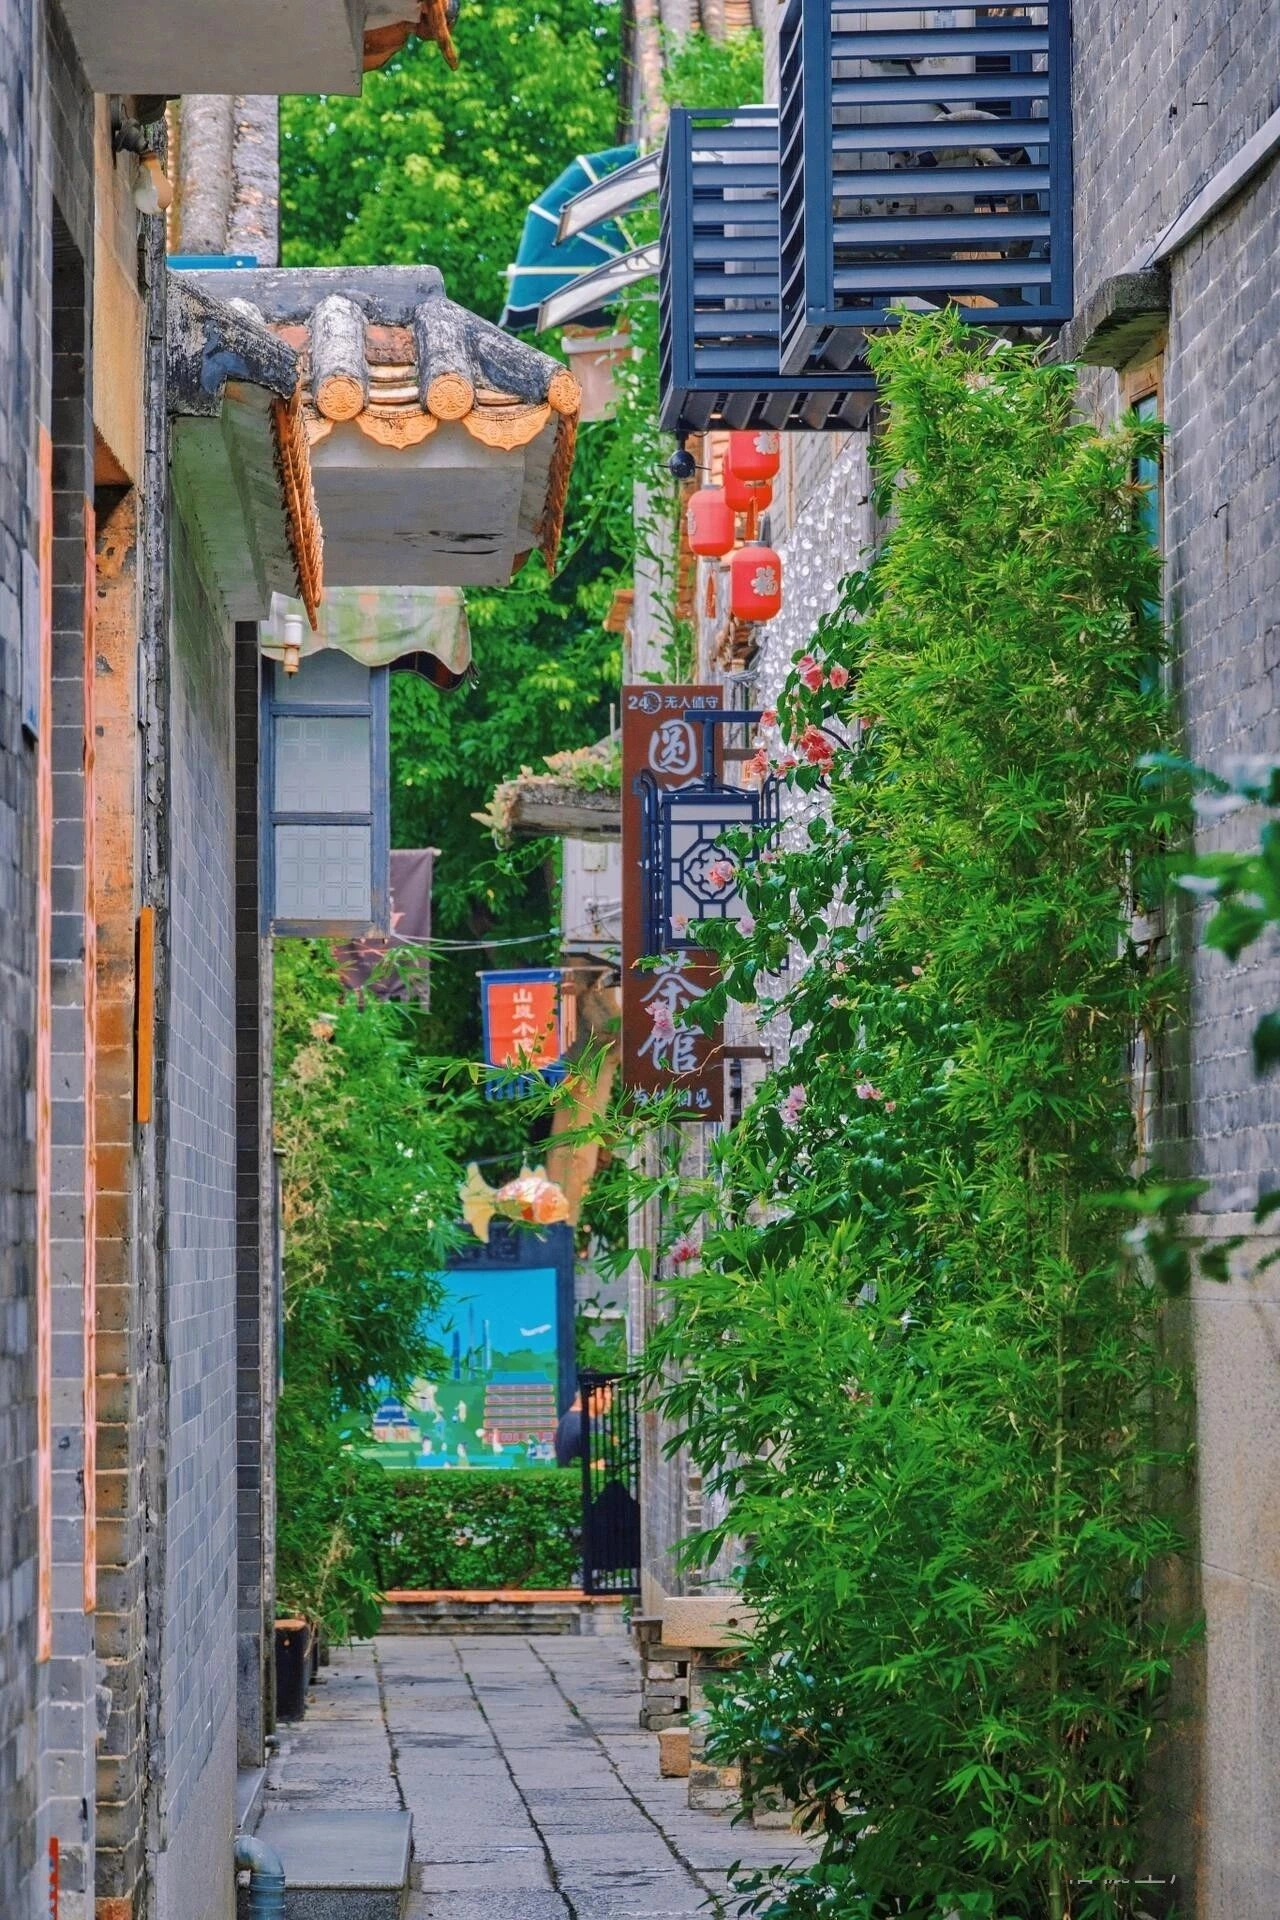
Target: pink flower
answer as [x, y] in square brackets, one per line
[746, 925]
[793, 1106]
[810, 672]
[660, 1014]
[889, 1105]
[839, 677]
[769, 717]
[917, 971]
[816, 747]
[721, 874]
[865, 1091]
[679, 923]
[786, 763]
[683, 1250]
[757, 767]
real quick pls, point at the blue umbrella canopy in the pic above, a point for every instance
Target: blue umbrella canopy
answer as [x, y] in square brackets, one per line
[543, 262]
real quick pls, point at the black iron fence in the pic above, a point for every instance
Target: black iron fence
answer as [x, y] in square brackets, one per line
[610, 1482]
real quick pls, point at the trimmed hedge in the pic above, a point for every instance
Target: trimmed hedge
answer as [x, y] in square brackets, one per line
[470, 1529]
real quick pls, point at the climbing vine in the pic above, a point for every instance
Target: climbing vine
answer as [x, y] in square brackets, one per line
[910, 1343]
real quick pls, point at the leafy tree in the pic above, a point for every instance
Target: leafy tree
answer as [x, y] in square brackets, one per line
[428, 166]
[371, 1146]
[915, 1354]
[546, 675]
[434, 166]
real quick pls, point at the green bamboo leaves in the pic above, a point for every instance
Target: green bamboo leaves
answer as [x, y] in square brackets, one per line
[916, 1356]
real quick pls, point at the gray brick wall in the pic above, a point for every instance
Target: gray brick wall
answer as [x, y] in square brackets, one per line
[255, 1239]
[70, 1720]
[22, 238]
[198, 1662]
[1165, 93]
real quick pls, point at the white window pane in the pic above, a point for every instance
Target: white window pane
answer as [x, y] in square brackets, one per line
[322, 765]
[329, 678]
[323, 873]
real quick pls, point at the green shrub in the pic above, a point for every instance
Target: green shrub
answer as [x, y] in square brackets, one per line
[490, 1529]
[916, 1359]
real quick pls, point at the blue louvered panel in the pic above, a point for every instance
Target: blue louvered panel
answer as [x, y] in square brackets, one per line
[718, 286]
[925, 158]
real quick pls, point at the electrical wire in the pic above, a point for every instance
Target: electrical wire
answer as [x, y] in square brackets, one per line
[481, 946]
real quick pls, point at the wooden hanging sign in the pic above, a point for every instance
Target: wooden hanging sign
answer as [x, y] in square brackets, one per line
[659, 1056]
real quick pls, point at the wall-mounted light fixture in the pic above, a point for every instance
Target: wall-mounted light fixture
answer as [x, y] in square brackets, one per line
[292, 642]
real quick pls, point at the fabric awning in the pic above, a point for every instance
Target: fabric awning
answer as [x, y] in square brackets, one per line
[422, 628]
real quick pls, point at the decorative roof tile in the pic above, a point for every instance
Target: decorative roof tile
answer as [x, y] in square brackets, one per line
[384, 353]
[260, 522]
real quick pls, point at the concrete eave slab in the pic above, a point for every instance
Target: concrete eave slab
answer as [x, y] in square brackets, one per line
[706, 1620]
[1120, 323]
[219, 46]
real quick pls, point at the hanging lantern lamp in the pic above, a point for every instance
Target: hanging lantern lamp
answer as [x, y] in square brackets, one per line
[754, 456]
[755, 582]
[710, 523]
[743, 495]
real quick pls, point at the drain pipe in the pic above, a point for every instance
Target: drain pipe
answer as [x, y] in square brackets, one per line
[266, 1877]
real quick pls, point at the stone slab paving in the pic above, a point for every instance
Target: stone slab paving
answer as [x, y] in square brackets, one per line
[534, 1794]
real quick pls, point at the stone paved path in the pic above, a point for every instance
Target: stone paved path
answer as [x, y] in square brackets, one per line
[534, 1794]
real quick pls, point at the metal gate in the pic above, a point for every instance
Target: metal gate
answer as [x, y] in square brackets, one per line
[610, 1482]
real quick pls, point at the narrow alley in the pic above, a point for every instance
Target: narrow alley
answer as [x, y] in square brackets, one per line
[532, 1791]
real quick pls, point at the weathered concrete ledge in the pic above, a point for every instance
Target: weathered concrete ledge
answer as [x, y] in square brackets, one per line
[1120, 322]
[537, 1610]
[706, 1620]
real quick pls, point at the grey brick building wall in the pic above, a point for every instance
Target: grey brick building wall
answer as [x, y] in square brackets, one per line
[196, 1775]
[69, 1735]
[256, 1358]
[22, 244]
[46, 226]
[1165, 94]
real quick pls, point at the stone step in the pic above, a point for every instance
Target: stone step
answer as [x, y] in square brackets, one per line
[340, 1866]
[502, 1610]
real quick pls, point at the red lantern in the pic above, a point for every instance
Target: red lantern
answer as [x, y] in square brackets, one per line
[754, 456]
[755, 582]
[743, 495]
[710, 523]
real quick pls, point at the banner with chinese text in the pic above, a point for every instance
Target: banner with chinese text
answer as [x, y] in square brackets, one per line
[523, 1028]
[660, 1056]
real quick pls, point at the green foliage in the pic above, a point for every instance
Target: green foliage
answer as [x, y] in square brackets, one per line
[547, 674]
[916, 1357]
[699, 72]
[370, 1150]
[432, 166]
[470, 1528]
[1244, 886]
[438, 167]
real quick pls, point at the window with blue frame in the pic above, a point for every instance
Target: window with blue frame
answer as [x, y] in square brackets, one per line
[326, 797]
[1149, 475]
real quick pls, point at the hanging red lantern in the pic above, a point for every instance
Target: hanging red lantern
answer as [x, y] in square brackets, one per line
[710, 523]
[743, 495]
[755, 582]
[754, 456]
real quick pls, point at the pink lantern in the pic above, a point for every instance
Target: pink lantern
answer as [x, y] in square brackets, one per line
[754, 456]
[710, 523]
[744, 496]
[755, 582]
